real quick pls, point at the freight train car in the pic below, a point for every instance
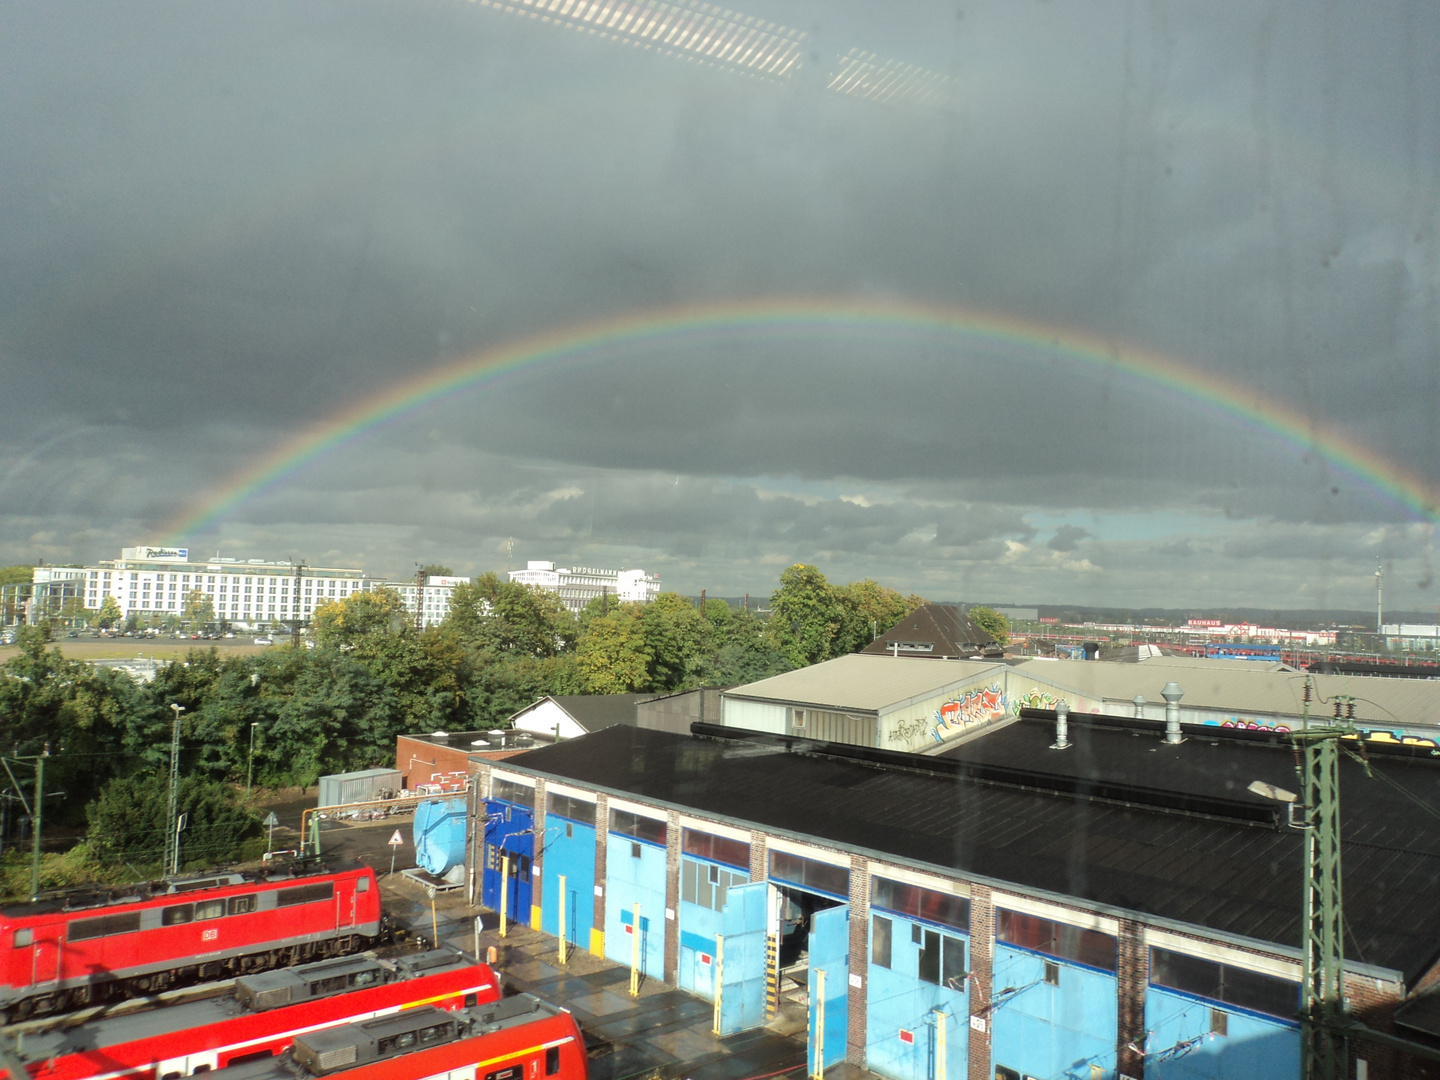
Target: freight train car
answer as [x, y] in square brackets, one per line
[82, 947]
[259, 1019]
[518, 1038]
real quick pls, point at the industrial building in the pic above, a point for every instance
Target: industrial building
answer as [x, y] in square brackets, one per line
[1104, 905]
[909, 703]
[577, 586]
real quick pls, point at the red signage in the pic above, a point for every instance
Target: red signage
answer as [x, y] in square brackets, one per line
[907, 1037]
[1204, 622]
[1051, 620]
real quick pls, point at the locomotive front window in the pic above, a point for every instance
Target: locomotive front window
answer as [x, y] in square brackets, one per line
[23, 938]
[240, 905]
[177, 914]
[210, 909]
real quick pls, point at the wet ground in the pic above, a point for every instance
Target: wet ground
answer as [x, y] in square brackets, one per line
[661, 1033]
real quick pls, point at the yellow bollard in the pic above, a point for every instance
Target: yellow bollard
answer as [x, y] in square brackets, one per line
[504, 890]
[561, 901]
[635, 952]
[817, 1010]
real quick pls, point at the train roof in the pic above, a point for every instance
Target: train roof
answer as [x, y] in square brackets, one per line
[89, 897]
[335, 1049]
[104, 1031]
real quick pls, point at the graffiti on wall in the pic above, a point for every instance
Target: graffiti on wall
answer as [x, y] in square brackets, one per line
[1244, 724]
[1034, 699]
[909, 731]
[970, 708]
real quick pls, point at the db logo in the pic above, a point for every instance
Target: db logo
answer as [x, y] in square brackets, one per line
[210, 935]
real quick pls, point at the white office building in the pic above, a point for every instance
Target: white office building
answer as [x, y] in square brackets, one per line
[579, 585]
[155, 581]
[433, 597]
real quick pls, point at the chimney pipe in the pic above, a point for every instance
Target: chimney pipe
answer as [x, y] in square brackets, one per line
[1139, 703]
[1172, 695]
[1062, 727]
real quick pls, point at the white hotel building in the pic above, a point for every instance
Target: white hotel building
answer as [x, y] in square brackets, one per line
[433, 596]
[581, 584]
[150, 581]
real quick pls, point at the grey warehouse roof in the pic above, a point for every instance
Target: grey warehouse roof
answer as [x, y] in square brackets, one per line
[1379, 702]
[1120, 820]
[861, 683]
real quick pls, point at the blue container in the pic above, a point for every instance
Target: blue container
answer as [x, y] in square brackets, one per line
[440, 835]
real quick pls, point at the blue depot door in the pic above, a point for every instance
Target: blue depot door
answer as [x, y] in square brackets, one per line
[742, 958]
[569, 853]
[635, 879]
[830, 953]
[509, 833]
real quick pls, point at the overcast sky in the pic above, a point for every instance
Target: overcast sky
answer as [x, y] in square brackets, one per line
[223, 225]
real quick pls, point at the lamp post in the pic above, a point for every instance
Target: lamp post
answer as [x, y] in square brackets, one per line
[172, 838]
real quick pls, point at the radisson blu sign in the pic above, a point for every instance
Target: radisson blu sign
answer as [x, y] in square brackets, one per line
[157, 554]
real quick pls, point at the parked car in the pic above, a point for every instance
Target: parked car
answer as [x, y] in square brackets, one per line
[264, 639]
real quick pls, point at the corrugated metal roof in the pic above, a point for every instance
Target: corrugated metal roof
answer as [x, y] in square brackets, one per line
[1378, 702]
[860, 683]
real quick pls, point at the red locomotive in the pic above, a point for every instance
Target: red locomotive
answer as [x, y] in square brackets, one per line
[77, 948]
[260, 1019]
[517, 1038]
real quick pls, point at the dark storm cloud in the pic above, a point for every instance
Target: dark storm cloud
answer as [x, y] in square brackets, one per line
[224, 225]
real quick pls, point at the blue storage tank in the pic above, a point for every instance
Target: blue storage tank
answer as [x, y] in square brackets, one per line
[440, 835]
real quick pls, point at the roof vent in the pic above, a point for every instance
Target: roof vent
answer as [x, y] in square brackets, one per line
[1139, 702]
[1062, 727]
[1172, 695]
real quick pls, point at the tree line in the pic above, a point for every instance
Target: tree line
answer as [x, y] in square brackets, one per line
[288, 716]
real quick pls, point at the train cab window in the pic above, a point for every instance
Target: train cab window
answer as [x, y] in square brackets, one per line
[471, 1000]
[209, 909]
[363, 885]
[552, 1060]
[23, 938]
[176, 914]
[240, 905]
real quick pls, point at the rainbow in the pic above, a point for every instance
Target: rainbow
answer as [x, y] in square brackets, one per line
[691, 324]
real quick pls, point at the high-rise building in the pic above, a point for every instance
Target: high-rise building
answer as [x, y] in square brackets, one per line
[155, 581]
[433, 597]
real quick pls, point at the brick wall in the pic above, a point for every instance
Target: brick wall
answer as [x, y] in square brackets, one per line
[418, 760]
[602, 842]
[982, 953]
[759, 854]
[1374, 1002]
[672, 897]
[537, 867]
[1132, 971]
[855, 1002]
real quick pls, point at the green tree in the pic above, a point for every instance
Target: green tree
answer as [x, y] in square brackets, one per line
[613, 657]
[810, 621]
[677, 637]
[198, 610]
[992, 622]
[344, 622]
[109, 613]
[507, 617]
[128, 823]
[16, 575]
[436, 570]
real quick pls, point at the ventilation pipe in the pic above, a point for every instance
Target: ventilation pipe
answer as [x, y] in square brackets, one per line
[1172, 695]
[1139, 703]
[1062, 727]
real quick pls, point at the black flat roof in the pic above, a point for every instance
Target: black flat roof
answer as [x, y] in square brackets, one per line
[1118, 820]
